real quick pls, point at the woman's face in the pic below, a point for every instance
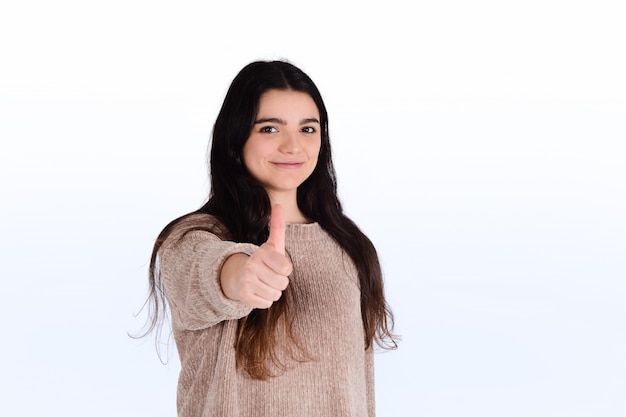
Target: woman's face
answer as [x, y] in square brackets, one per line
[282, 149]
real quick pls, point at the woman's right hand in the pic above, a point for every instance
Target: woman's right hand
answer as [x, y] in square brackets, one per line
[260, 279]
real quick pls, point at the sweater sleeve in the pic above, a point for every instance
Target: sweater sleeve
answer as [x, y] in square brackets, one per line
[190, 269]
[369, 377]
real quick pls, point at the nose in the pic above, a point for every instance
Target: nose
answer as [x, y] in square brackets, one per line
[290, 143]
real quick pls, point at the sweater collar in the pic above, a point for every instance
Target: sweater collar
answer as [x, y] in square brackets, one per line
[310, 231]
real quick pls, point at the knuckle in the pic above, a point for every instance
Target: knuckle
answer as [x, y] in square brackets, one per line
[247, 301]
[250, 267]
[288, 268]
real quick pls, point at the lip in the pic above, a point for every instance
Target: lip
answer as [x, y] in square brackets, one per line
[288, 165]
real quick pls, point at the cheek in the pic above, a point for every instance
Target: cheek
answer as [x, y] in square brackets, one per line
[250, 151]
[315, 151]
[314, 157]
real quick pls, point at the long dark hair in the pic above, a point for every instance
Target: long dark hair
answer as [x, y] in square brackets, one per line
[242, 206]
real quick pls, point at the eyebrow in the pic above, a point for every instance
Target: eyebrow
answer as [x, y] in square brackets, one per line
[282, 122]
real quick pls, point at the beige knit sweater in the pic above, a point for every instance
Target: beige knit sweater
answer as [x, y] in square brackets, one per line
[325, 300]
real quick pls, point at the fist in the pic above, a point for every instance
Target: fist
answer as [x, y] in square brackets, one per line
[259, 280]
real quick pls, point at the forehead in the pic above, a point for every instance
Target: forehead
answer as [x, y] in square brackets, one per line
[285, 103]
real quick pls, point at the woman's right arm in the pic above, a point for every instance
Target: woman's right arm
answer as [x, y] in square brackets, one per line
[208, 280]
[190, 269]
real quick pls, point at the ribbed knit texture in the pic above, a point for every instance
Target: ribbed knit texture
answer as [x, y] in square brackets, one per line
[324, 298]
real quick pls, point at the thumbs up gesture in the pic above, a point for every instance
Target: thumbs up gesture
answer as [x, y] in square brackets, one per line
[276, 240]
[259, 280]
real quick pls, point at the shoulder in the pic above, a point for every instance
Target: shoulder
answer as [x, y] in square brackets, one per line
[194, 227]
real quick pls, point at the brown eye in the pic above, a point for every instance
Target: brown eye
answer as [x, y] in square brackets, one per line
[268, 129]
[308, 129]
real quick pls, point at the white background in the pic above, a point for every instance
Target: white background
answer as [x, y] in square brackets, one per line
[480, 145]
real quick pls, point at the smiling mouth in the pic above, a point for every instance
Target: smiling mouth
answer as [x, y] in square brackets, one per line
[288, 165]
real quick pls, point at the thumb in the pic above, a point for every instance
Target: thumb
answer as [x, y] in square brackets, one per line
[277, 229]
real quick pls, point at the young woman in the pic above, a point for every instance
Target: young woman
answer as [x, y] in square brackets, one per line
[276, 297]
